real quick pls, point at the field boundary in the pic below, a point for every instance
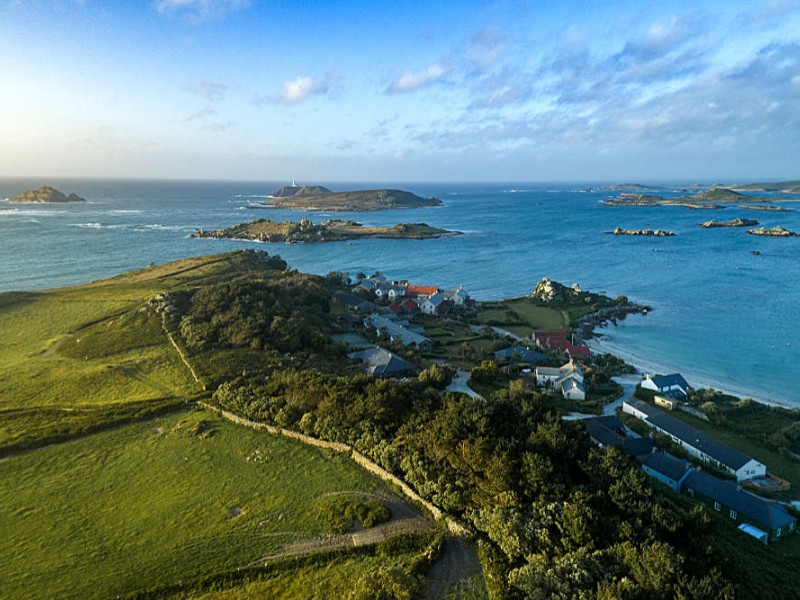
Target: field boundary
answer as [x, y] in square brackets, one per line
[437, 513]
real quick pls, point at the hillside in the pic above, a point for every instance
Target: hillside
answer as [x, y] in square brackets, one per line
[354, 201]
[303, 190]
[47, 194]
[264, 230]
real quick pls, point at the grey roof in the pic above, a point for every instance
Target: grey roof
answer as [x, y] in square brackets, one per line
[525, 354]
[726, 455]
[766, 513]
[666, 464]
[397, 331]
[353, 300]
[601, 433]
[667, 381]
[639, 446]
[382, 363]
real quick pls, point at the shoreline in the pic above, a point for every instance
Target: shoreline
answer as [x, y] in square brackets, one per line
[644, 365]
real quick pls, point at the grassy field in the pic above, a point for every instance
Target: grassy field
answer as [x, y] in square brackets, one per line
[521, 316]
[153, 503]
[73, 359]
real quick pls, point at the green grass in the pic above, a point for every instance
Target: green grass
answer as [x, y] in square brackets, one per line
[84, 353]
[151, 504]
[521, 316]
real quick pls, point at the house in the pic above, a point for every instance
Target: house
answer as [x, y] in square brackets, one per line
[459, 297]
[352, 302]
[608, 431]
[557, 340]
[431, 304]
[409, 306]
[382, 363]
[729, 499]
[395, 292]
[605, 431]
[567, 379]
[697, 443]
[398, 331]
[421, 290]
[673, 385]
[667, 469]
[519, 354]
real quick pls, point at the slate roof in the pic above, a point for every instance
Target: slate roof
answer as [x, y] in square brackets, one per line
[382, 363]
[668, 381]
[397, 331]
[352, 300]
[524, 354]
[639, 446]
[603, 431]
[666, 464]
[764, 512]
[726, 455]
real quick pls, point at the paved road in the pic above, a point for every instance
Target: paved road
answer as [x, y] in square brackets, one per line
[459, 385]
[628, 383]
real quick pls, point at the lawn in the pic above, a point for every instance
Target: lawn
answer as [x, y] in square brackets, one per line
[521, 316]
[172, 499]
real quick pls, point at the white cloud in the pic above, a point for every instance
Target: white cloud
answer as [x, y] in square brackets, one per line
[300, 88]
[200, 10]
[409, 82]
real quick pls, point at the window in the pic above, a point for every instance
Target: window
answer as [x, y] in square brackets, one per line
[717, 506]
[733, 514]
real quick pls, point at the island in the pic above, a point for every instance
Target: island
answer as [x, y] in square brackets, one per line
[782, 187]
[265, 230]
[776, 231]
[47, 195]
[737, 222]
[311, 198]
[303, 190]
[714, 198]
[766, 207]
[644, 232]
[628, 186]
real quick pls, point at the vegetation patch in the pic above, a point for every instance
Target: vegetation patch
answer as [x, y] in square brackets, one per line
[340, 513]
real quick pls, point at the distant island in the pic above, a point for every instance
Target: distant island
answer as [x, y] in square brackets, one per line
[47, 195]
[783, 187]
[713, 198]
[643, 232]
[321, 198]
[628, 186]
[776, 231]
[738, 222]
[264, 230]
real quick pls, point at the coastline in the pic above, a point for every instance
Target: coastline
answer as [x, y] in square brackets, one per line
[644, 365]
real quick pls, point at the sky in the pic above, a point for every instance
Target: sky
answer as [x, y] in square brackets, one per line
[320, 91]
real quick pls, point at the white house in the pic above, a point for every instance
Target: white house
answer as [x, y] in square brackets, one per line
[671, 385]
[460, 296]
[567, 379]
[430, 304]
[697, 443]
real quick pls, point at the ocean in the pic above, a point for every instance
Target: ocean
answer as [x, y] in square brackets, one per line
[723, 316]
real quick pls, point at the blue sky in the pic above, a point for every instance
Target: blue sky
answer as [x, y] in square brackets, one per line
[401, 91]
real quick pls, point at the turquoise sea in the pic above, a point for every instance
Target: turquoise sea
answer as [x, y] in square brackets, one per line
[722, 315]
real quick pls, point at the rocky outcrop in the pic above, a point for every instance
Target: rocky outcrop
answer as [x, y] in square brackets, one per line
[776, 231]
[737, 222]
[643, 232]
[47, 194]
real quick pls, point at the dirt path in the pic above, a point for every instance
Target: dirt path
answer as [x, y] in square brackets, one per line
[404, 519]
[457, 571]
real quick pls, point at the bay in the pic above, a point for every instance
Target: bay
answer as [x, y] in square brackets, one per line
[722, 315]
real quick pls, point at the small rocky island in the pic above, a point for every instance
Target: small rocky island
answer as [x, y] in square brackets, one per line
[776, 231]
[264, 230]
[644, 232]
[47, 195]
[713, 198]
[315, 197]
[737, 222]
